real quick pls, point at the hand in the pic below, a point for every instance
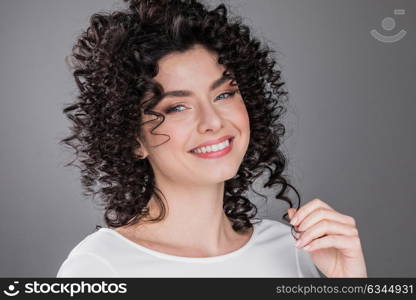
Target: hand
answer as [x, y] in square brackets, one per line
[331, 239]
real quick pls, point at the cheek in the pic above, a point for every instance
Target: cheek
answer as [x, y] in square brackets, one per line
[240, 118]
[168, 138]
[242, 122]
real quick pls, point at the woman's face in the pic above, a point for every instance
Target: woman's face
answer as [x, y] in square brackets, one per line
[199, 109]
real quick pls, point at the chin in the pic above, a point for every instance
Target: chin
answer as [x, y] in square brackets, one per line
[227, 174]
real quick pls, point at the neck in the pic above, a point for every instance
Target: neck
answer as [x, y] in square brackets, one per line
[194, 219]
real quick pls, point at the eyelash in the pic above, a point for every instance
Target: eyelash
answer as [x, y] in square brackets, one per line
[171, 109]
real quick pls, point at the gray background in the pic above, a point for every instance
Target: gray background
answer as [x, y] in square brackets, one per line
[350, 124]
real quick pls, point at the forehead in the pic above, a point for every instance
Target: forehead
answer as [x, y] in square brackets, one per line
[195, 67]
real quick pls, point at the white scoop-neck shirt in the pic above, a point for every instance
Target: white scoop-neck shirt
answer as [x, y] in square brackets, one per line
[270, 252]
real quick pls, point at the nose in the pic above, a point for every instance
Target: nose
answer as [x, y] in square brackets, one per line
[209, 119]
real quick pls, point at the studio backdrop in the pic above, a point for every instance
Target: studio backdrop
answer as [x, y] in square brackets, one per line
[349, 67]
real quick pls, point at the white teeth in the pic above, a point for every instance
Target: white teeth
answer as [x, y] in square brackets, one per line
[212, 148]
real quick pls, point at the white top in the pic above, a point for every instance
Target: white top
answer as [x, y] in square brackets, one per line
[270, 252]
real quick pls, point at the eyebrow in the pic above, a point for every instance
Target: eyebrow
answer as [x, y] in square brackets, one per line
[185, 93]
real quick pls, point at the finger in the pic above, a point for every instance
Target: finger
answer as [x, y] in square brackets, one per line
[307, 208]
[323, 228]
[341, 242]
[320, 214]
[291, 212]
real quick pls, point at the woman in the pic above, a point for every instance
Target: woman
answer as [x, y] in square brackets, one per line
[179, 113]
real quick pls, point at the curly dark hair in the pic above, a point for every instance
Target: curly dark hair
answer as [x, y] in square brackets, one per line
[114, 62]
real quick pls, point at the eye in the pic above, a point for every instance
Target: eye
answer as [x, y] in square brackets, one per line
[175, 108]
[226, 95]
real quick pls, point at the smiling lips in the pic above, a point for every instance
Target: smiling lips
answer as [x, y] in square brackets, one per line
[214, 149]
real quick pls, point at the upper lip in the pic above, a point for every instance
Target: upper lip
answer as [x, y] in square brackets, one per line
[213, 142]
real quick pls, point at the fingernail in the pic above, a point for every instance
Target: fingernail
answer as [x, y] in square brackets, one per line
[306, 247]
[294, 220]
[298, 243]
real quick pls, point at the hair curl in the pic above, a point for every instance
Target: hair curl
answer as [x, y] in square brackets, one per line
[114, 63]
